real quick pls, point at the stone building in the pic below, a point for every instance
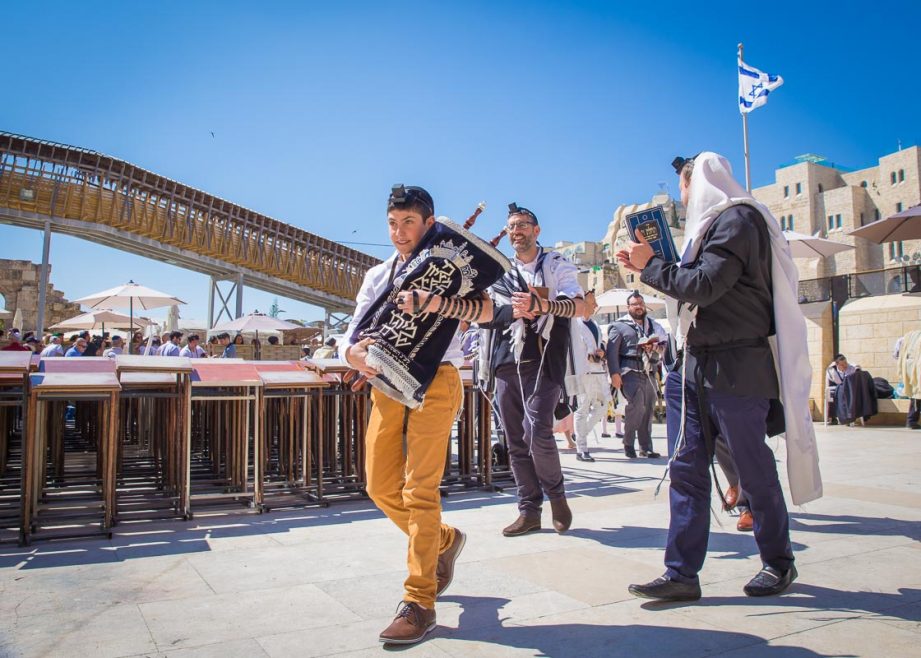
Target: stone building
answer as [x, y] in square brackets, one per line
[19, 285]
[814, 195]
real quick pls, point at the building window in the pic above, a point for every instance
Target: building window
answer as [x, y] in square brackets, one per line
[821, 189]
[892, 178]
[895, 251]
[837, 221]
[901, 175]
[863, 183]
[831, 222]
[790, 223]
[786, 191]
[861, 219]
[783, 223]
[898, 207]
[799, 188]
[876, 215]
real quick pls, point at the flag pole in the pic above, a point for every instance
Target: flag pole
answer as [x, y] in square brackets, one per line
[748, 172]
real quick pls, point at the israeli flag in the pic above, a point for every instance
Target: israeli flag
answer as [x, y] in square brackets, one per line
[754, 87]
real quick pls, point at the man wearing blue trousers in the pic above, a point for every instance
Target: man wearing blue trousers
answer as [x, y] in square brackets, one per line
[728, 378]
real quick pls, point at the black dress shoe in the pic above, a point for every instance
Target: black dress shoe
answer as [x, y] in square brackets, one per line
[650, 454]
[666, 589]
[605, 435]
[619, 435]
[584, 457]
[630, 451]
[770, 581]
[914, 426]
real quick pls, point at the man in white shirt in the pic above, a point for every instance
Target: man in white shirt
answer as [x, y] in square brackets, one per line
[192, 350]
[533, 305]
[54, 347]
[837, 371]
[171, 347]
[404, 485]
[116, 349]
[596, 391]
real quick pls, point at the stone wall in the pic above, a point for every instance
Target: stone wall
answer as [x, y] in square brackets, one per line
[869, 327]
[19, 285]
[819, 341]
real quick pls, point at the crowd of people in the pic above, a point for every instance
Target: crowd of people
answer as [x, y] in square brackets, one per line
[170, 343]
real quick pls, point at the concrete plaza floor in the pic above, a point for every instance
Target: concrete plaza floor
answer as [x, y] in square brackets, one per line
[321, 582]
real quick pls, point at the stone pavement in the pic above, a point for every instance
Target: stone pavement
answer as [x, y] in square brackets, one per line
[321, 582]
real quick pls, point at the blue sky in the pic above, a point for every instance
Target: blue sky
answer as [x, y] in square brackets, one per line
[569, 108]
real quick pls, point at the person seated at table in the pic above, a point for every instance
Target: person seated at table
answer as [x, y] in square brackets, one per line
[53, 347]
[15, 344]
[118, 347]
[835, 374]
[238, 340]
[192, 350]
[171, 346]
[273, 340]
[328, 351]
[78, 349]
[230, 349]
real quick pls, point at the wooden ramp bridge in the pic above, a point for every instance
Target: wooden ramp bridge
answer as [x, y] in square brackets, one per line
[66, 189]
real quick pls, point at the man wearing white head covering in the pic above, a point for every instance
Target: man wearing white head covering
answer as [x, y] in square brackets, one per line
[743, 343]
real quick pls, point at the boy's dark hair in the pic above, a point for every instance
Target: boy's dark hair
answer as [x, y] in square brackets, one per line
[175, 334]
[193, 337]
[411, 198]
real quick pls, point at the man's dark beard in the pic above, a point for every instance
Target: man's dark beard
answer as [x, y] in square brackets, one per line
[641, 317]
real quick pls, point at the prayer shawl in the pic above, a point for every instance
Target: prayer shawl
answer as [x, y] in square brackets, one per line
[408, 349]
[910, 364]
[713, 190]
[501, 293]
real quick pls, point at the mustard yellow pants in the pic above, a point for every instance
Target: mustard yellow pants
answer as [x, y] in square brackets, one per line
[404, 486]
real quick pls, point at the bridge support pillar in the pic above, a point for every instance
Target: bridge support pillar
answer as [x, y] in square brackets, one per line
[336, 322]
[220, 298]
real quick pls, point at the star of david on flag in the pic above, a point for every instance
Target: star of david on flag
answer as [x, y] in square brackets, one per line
[754, 87]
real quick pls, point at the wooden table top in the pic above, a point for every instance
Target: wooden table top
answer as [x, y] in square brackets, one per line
[292, 379]
[18, 362]
[135, 363]
[74, 382]
[214, 373]
[141, 379]
[75, 364]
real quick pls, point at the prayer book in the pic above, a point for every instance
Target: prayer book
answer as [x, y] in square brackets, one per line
[653, 226]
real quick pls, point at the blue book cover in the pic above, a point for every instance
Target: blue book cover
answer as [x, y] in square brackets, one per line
[655, 229]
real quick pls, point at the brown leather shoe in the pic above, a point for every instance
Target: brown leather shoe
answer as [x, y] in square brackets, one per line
[522, 526]
[562, 515]
[732, 498]
[446, 560]
[411, 624]
[746, 522]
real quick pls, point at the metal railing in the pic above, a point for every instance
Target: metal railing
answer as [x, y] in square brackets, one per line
[840, 288]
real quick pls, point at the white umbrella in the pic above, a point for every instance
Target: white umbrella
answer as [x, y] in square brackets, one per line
[905, 225]
[17, 319]
[127, 296]
[256, 322]
[610, 301]
[811, 246]
[98, 319]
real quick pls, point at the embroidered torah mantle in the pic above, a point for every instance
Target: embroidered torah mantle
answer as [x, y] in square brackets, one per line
[449, 261]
